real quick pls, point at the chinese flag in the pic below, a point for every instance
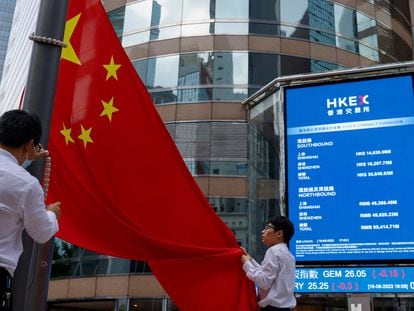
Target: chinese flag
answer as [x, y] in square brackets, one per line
[124, 188]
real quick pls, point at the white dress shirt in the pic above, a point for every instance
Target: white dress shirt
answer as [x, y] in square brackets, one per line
[21, 207]
[275, 277]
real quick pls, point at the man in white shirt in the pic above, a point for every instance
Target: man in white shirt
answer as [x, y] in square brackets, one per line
[275, 276]
[22, 203]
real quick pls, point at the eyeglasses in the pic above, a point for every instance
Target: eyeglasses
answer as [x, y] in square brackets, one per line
[269, 227]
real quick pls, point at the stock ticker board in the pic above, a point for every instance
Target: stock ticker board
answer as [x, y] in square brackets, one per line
[350, 175]
[355, 280]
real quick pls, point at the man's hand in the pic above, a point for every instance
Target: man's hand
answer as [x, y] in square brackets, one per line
[40, 152]
[245, 257]
[55, 208]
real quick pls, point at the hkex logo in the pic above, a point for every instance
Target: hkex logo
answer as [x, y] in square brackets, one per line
[345, 102]
[347, 105]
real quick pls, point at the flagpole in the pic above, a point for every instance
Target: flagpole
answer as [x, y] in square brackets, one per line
[31, 278]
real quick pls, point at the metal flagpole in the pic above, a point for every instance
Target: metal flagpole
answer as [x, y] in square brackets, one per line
[31, 278]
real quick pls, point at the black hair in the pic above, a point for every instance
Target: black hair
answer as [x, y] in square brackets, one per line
[18, 127]
[283, 223]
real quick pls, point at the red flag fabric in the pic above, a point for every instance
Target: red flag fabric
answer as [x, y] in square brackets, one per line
[124, 188]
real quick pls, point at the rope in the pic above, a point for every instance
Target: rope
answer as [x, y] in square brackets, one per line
[47, 40]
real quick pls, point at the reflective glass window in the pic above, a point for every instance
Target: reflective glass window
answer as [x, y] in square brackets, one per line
[117, 20]
[265, 10]
[166, 12]
[197, 10]
[322, 37]
[346, 44]
[385, 4]
[165, 32]
[135, 38]
[6, 18]
[110, 265]
[171, 129]
[62, 257]
[321, 22]
[294, 32]
[321, 66]
[401, 50]
[365, 25]
[228, 140]
[194, 95]
[321, 15]
[203, 141]
[230, 94]
[162, 72]
[137, 16]
[229, 168]
[228, 10]
[195, 69]
[386, 43]
[140, 267]
[231, 68]
[367, 35]
[228, 205]
[145, 304]
[368, 51]
[171, 306]
[198, 167]
[193, 139]
[141, 68]
[263, 29]
[231, 28]
[61, 268]
[400, 10]
[263, 68]
[293, 65]
[164, 97]
[222, 168]
[345, 27]
[294, 12]
[197, 29]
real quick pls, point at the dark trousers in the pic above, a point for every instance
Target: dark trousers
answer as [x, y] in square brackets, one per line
[5, 290]
[271, 308]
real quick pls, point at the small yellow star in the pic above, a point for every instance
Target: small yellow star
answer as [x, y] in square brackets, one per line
[66, 133]
[109, 109]
[68, 52]
[85, 136]
[111, 69]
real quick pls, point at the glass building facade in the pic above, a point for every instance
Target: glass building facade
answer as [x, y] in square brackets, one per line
[6, 18]
[199, 59]
[19, 47]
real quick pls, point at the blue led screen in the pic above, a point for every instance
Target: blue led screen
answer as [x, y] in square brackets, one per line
[350, 170]
[355, 280]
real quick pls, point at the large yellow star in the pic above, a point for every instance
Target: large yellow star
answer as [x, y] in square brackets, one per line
[66, 133]
[68, 52]
[109, 109]
[85, 136]
[111, 69]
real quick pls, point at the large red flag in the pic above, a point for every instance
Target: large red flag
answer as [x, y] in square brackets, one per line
[124, 188]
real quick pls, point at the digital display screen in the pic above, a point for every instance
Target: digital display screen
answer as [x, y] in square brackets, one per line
[350, 170]
[355, 280]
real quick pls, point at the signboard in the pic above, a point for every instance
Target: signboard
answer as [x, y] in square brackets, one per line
[350, 170]
[355, 280]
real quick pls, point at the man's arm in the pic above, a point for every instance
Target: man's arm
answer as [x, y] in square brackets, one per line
[40, 222]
